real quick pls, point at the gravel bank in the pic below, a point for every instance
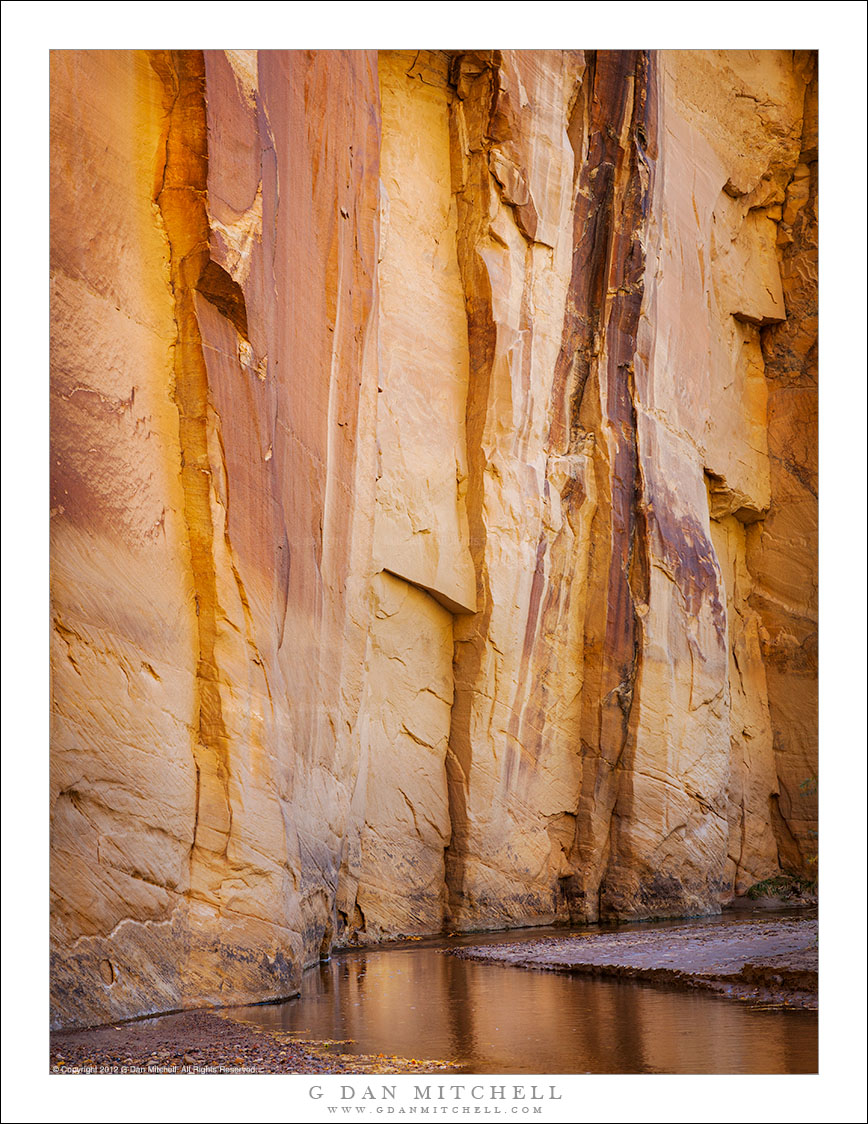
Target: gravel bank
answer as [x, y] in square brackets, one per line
[773, 962]
[201, 1042]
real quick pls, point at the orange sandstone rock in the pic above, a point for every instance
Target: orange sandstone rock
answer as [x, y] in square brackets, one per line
[214, 248]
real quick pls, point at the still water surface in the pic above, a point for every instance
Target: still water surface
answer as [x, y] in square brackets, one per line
[418, 1002]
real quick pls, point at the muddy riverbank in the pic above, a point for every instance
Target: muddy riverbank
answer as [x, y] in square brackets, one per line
[768, 961]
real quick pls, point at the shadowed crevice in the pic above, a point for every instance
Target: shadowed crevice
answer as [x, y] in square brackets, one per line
[225, 294]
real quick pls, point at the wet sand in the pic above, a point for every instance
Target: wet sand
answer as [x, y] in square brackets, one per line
[768, 961]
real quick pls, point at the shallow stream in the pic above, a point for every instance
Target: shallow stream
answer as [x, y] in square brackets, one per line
[415, 1001]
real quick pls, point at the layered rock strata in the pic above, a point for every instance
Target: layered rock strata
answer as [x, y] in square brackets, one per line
[433, 501]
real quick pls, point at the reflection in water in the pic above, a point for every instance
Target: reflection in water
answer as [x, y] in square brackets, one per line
[420, 1003]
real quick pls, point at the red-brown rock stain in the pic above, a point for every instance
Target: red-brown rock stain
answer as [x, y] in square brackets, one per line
[594, 394]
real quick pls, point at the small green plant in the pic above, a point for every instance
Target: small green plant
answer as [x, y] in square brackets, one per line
[809, 788]
[784, 886]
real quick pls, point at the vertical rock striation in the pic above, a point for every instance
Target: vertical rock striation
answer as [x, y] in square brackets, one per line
[433, 501]
[782, 553]
[209, 560]
[420, 552]
[513, 765]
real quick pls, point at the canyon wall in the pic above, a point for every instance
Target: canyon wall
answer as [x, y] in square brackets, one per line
[433, 501]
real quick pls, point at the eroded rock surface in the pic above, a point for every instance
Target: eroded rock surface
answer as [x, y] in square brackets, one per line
[433, 501]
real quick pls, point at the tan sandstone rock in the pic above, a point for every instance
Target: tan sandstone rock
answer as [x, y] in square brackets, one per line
[433, 500]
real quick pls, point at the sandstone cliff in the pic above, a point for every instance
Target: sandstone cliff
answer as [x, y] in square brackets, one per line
[433, 500]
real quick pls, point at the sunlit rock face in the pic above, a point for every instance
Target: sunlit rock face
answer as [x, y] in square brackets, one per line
[433, 501]
[214, 245]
